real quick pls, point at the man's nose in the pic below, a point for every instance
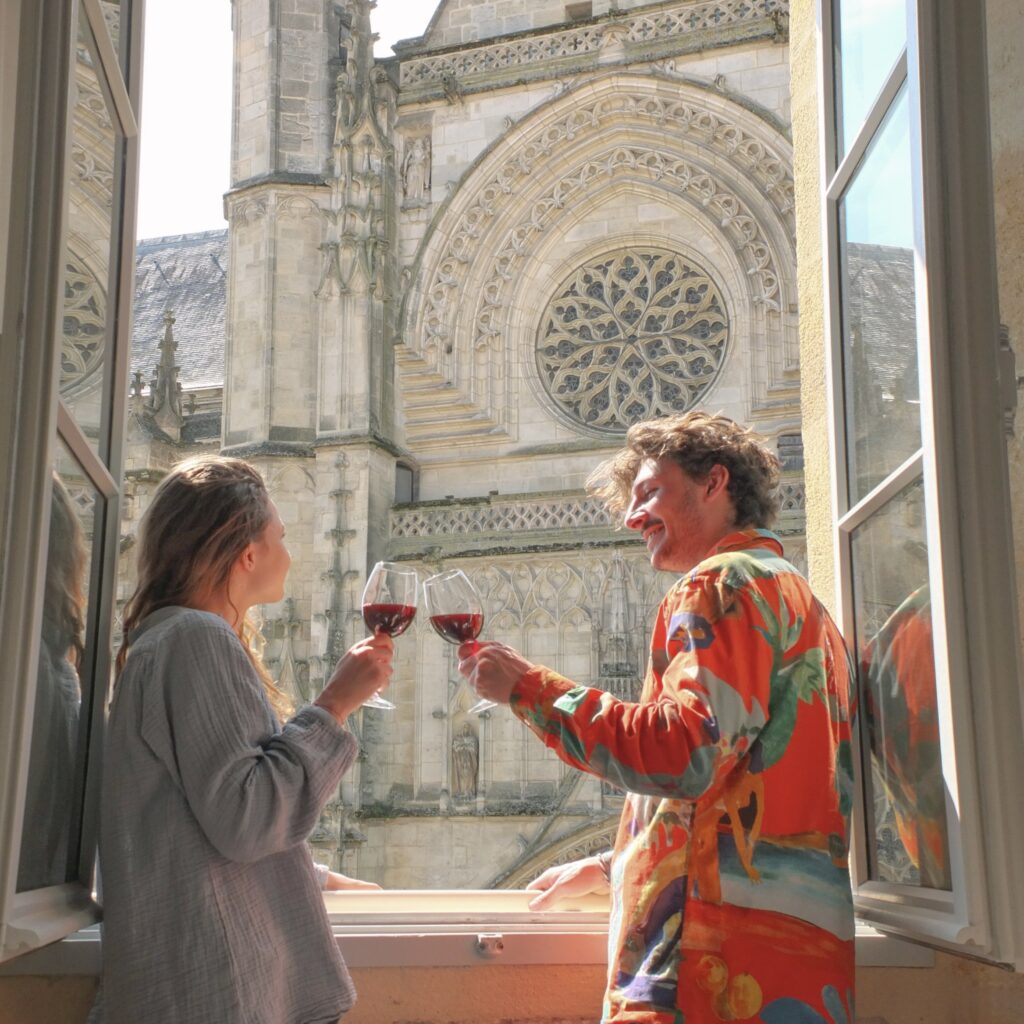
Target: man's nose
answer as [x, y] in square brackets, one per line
[635, 519]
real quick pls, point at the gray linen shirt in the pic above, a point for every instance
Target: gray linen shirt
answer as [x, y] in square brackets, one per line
[212, 909]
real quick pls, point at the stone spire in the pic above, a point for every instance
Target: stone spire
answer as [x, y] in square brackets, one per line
[616, 645]
[358, 256]
[357, 128]
[164, 405]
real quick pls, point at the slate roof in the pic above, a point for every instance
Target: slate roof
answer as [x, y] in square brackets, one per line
[188, 275]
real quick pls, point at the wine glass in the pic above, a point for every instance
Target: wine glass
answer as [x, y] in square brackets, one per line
[389, 606]
[456, 613]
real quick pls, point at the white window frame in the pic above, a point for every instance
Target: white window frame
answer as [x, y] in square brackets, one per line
[963, 463]
[38, 91]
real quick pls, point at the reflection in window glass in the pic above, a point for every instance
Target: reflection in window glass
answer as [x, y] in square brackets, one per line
[880, 364]
[92, 176]
[52, 802]
[872, 34]
[897, 674]
[112, 19]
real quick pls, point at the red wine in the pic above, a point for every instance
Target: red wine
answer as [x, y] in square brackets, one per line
[393, 619]
[458, 628]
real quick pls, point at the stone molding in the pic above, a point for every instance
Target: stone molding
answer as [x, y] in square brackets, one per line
[675, 28]
[529, 521]
[525, 514]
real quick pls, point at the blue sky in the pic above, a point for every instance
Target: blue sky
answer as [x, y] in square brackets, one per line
[186, 107]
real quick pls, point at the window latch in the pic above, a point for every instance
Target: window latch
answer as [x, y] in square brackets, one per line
[490, 944]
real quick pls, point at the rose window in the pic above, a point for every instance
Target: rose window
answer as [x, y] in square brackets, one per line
[634, 334]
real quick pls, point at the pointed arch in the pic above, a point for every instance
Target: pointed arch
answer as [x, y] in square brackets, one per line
[698, 152]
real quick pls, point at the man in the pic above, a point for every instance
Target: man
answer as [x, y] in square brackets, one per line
[729, 875]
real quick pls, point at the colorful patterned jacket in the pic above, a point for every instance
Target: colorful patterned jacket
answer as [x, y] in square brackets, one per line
[730, 881]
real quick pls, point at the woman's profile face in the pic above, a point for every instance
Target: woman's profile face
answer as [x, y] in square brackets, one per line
[271, 561]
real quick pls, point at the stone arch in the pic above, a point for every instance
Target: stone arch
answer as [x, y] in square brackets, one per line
[673, 140]
[589, 839]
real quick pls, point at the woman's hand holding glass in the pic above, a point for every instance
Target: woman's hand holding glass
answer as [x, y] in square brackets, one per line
[389, 606]
[364, 669]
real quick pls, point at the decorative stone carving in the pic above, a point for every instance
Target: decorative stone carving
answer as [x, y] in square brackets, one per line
[503, 517]
[91, 170]
[416, 171]
[792, 496]
[634, 334]
[85, 314]
[465, 763]
[569, 593]
[557, 46]
[246, 211]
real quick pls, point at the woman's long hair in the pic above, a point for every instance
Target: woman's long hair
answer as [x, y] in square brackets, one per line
[204, 514]
[64, 596]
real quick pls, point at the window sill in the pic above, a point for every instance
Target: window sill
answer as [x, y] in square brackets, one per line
[456, 929]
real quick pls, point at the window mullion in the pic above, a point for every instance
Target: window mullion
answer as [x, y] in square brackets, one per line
[882, 494]
[868, 130]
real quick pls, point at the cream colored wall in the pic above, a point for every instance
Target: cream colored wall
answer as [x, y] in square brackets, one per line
[424, 995]
[810, 291]
[955, 990]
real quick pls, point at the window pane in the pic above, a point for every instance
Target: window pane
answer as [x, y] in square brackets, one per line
[53, 800]
[907, 795]
[876, 233]
[93, 174]
[872, 35]
[112, 18]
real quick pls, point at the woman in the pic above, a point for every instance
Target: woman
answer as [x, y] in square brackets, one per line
[50, 796]
[212, 910]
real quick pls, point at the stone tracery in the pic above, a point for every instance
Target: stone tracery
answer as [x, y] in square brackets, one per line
[85, 324]
[637, 333]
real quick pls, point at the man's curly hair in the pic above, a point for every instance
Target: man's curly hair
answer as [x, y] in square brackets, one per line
[696, 441]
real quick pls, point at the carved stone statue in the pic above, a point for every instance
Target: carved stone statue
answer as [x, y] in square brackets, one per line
[345, 97]
[416, 170]
[465, 762]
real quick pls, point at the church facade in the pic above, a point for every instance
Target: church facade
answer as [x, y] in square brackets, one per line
[450, 281]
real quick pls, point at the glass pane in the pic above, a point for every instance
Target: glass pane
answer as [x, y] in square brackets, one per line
[871, 36]
[907, 795]
[112, 19]
[53, 795]
[93, 172]
[876, 267]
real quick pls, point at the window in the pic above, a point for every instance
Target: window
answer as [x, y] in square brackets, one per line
[405, 483]
[919, 487]
[68, 114]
